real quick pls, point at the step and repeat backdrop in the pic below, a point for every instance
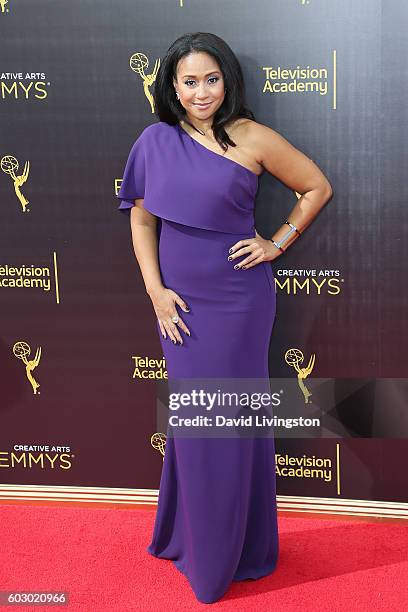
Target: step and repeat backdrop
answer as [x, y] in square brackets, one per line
[79, 351]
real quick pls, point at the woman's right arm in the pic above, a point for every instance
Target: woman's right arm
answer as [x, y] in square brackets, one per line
[145, 245]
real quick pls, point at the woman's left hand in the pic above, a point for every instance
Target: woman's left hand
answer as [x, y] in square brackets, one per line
[257, 250]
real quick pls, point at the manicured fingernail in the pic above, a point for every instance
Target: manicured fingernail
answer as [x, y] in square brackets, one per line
[236, 267]
[173, 341]
[230, 251]
[229, 258]
[188, 333]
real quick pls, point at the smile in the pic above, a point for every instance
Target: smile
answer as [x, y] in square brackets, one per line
[203, 105]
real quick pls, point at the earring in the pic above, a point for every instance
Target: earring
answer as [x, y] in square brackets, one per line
[177, 95]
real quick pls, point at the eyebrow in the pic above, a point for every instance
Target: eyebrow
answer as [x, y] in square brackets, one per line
[193, 75]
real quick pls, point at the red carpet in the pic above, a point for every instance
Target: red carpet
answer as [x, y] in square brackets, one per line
[98, 556]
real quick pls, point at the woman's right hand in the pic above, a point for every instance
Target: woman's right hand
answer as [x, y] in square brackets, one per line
[164, 303]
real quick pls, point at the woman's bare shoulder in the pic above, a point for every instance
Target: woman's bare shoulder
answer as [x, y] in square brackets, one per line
[253, 130]
[263, 140]
[251, 136]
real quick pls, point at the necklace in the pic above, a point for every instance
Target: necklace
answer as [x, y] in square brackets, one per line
[198, 130]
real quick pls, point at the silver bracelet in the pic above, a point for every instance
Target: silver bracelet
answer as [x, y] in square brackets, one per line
[286, 236]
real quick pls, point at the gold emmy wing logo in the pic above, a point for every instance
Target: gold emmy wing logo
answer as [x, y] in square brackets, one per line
[22, 350]
[3, 6]
[138, 62]
[294, 357]
[158, 441]
[9, 165]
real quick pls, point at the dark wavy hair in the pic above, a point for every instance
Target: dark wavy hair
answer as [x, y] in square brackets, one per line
[170, 110]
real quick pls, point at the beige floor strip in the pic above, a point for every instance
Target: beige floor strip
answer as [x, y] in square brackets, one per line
[148, 497]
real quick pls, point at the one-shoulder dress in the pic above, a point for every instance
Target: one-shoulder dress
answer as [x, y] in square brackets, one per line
[216, 517]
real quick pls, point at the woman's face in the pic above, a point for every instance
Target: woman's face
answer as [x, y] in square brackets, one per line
[200, 85]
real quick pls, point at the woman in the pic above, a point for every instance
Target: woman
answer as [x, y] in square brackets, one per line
[189, 186]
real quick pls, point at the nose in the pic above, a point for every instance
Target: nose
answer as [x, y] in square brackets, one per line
[201, 93]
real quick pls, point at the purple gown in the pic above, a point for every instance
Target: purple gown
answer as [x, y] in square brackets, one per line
[216, 517]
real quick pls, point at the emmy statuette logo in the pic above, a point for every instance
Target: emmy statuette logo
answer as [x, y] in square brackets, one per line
[22, 350]
[158, 441]
[138, 62]
[9, 165]
[293, 358]
[3, 4]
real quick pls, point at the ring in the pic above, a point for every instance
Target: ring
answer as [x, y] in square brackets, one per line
[175, 319]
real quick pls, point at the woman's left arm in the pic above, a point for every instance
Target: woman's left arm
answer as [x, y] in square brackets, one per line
[297, 172]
